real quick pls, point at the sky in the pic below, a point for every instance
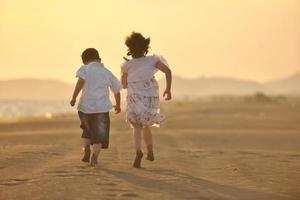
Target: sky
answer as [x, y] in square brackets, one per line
[256, 40]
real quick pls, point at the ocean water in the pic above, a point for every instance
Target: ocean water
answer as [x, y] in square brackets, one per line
[34, 108]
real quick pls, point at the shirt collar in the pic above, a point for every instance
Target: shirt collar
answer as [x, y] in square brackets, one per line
[96, 63]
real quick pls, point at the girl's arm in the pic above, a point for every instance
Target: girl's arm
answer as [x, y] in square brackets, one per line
[78, 88]
[124, 80]
[168, 73]
[118, 102]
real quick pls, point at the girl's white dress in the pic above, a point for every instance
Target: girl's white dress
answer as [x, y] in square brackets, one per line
[143, 91]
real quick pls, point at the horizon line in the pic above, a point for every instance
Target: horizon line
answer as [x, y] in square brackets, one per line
[174, 75]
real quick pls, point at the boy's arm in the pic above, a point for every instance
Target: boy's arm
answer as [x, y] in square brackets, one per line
[118, 102]
[168, 73]
[116, 87]
[78, 88]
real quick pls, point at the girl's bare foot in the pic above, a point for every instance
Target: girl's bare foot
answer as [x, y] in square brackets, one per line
[150, 155]
[94, 160]
[87, 153]
[138, 159]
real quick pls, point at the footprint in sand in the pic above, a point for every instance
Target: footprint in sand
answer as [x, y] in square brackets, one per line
[106, 184]
[110, 195]
[294, 155]
[55, 154]
[59, 173]
[285, 161]
[15, 182]
[115, 191]
[128, 194]
[82, 167]
[43, 153]
[71, 174]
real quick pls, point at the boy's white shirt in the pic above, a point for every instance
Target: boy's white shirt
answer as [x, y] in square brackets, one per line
[95, 92]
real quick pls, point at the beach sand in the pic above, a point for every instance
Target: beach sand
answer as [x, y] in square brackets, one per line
[206, 150]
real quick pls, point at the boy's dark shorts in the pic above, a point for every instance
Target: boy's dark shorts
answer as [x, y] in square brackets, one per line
[95, 126]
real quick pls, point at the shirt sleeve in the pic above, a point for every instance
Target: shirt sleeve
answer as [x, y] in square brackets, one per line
[115, 84]
[157, 59]
[81, 73]
[124, 67]
[161, 59]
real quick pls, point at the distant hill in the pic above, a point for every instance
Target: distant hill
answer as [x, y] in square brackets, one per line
[35, 89]
[211, 86]
[229, 86]
[56, 90]
[290, 85]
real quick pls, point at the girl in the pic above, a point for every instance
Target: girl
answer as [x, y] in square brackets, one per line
[142, 92]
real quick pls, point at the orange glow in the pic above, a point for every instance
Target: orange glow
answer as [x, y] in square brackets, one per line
[251, 39]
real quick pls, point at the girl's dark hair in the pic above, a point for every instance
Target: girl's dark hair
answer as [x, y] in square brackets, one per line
[90, 54]
[137, 44]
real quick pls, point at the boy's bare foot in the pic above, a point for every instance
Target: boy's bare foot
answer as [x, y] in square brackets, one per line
[94, 160]
[87, 153]
[150, 155]
[138, 159]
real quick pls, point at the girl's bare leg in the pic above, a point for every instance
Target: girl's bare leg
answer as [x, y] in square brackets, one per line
[137, 131]
[87, 151]
[149, 143]
[147, 136]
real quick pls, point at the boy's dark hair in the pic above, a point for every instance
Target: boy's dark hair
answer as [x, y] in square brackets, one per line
[137, 44]
[90, 54]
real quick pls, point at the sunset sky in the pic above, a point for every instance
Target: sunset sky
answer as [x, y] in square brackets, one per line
[248, 39]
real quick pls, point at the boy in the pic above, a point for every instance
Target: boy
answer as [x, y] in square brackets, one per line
[94, 105]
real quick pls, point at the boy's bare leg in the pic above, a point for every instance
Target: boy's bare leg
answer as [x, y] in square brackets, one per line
[87, 151]
[86, 142]
[149, 143]
[137, 131]
[96, 151]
